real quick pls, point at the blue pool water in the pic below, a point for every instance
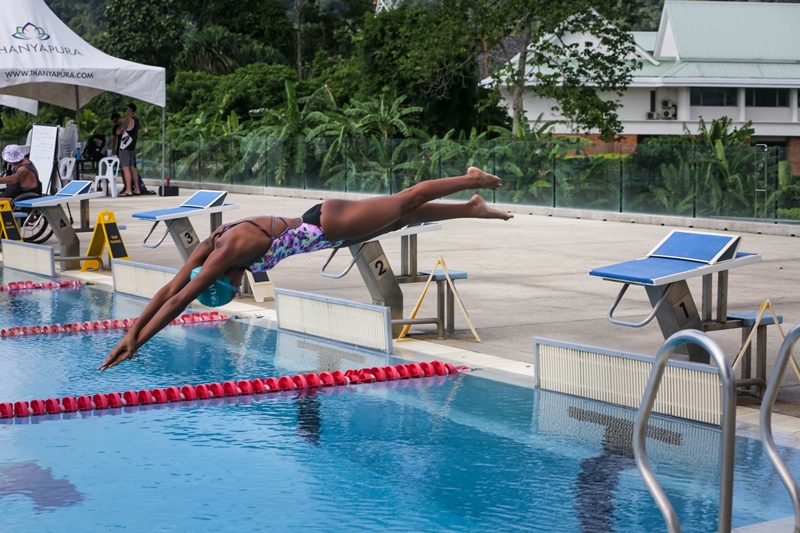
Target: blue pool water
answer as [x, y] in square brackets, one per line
[450, 453]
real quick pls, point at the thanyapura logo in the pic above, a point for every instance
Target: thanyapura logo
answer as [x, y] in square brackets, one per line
[30, 31]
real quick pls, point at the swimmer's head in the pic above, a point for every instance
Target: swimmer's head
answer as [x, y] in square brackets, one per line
[220, 293]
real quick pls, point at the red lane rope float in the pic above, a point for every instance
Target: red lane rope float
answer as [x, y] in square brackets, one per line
[71, 404]
[26, 285]
[99, 325]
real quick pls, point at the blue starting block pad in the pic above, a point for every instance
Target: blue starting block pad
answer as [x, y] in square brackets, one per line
[681, 255]
[73, 191]
[53, 211]
[663, 273]
[178, 225]
[201, 202]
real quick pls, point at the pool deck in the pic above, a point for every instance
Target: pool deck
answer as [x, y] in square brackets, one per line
[528, 277]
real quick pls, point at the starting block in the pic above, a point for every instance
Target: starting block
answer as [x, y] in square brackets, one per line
[663, 273]
[53, 211]
[177, 221]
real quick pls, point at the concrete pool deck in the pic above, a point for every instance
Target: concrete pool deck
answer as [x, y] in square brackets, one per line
[528, 277]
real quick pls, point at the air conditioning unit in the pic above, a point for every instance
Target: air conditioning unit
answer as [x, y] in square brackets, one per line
[667, 103]
[652, 115]
[669, 113]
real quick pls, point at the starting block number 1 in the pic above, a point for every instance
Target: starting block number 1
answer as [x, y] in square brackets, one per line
[106, 232]
[10, 229]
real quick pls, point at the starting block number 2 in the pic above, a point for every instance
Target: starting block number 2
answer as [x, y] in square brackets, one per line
[379, 266]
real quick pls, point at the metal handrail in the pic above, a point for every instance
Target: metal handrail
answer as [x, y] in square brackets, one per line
[728, 426]
[644, 322]
[765, 424]
[168, 225]
[347, 269]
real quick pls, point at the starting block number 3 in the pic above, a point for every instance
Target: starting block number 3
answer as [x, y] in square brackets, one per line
[188, 238]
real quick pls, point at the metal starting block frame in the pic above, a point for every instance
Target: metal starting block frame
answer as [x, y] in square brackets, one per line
[382, 283]
[53, 211]
[663, 273]
[177, 221]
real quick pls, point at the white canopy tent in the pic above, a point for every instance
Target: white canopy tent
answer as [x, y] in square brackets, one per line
[42, 59]
[23, 104]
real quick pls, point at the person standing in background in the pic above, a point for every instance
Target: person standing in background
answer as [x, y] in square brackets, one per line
[128, 133]
[117, 120]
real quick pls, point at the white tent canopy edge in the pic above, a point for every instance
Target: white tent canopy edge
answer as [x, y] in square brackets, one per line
[42, 59]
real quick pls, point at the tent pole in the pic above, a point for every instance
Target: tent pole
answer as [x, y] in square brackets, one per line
[77, 112]
[163, 142]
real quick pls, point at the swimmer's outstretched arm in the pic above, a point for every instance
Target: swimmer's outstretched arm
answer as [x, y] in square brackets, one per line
[170, 301]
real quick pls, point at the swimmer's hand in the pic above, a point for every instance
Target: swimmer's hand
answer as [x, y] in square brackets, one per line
[122, 351]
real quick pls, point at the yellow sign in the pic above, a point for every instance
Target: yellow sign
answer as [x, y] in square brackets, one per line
[106, 232]
[10, 229]
[439, 262]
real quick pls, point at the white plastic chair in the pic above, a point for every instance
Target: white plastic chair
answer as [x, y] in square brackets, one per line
[108, 170]
[66, 170]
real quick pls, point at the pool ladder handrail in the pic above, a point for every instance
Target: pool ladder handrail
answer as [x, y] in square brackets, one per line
[765, 422]
[727, 425]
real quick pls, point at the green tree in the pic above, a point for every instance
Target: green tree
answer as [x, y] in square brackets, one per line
[216, 50]
[427, 54]
[575, 72]
[264, 21]
[724, 166]
[144, 31]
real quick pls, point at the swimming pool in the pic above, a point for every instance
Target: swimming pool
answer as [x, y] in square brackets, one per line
[446, 453]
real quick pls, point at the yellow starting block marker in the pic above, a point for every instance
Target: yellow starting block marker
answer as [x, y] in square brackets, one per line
[439, 262]
[10, 229]
[106, 232]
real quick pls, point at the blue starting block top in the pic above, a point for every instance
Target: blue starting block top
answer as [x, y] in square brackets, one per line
[74, 190]
[681, 255]
[201, 202]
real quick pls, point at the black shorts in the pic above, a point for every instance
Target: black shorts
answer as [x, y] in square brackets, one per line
[314, 216]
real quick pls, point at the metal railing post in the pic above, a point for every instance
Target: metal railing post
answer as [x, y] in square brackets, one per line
[728, 427]
[765, 422]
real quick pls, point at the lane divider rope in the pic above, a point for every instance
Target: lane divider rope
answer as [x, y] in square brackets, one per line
[98, 325]
[26, 285]
[187, 393]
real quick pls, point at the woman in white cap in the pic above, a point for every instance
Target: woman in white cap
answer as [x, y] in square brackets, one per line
[25, 178]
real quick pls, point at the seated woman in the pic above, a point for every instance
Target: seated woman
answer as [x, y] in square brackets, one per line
[259, 243]
[24, 178]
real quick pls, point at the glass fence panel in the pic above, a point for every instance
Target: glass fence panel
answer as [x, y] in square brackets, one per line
[447, 158]
[185, 161]
[148, 159]
[369, 166]
[527, 170]
[726, 184]
[248, 162]
[586, 180]
[658, 179]
[786, 194]
[663, 178]
[321, 158]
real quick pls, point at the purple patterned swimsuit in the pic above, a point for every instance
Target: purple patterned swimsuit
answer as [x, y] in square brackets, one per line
[294, 240]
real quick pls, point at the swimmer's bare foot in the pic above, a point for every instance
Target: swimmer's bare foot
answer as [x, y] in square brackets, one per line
[482, 210]
[485, 181]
